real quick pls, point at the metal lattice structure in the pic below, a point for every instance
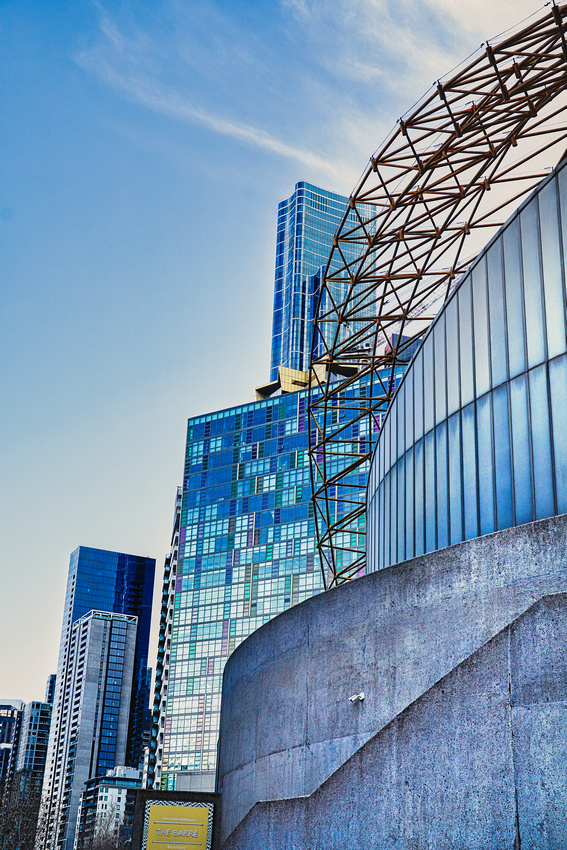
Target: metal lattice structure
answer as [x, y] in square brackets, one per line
[440, 186]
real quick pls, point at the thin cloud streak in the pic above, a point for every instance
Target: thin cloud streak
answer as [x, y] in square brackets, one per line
[138, 87]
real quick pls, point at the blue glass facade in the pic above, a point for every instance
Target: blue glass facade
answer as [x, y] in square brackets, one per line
[119, 583]
[247, 552]
[475, 439]
[307, 222]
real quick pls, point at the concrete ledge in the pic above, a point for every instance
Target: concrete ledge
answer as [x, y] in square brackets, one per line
[287, 723]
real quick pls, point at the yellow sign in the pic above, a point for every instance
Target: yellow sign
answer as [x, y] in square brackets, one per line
[177, 827]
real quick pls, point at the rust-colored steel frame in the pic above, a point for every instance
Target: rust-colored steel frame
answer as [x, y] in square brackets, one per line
[484, 130]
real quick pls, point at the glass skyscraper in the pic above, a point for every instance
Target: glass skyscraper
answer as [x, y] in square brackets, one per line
[114, 583]
[244, 545]
[307, 222]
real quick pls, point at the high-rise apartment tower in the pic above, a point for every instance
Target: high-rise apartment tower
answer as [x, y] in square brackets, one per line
[107, 583]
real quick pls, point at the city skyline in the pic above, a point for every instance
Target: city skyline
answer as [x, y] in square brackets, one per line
[109, 228]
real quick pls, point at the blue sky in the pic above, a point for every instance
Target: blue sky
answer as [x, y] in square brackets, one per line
[144, 147]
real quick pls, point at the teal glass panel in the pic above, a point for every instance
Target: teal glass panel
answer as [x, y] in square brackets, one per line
[409, 519]
[455, 478]
[440, 372]
[498, 353]
[558, 387]
[393, 515]
[466, 342]
[430, 517]
[514, 299]
[401, 420]
[419, 502]
[521, 450]
[541, 445]
[470, 472]
[417, 369]
[481, 340]
[401, 532]
[428, 388]
[408, 381]
[531, 261]
[485, 464]
[442, 485]
[502, 458]
[553, 285]
[452, 337]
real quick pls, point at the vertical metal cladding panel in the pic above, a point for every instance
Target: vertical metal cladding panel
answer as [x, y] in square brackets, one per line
[475, 439]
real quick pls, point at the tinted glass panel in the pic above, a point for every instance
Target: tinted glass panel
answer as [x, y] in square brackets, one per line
[469, 472]
[498, 356]
[481, 344]
[428, 382]
[410, 549]
[558, 386]
[401, 535]
[532, 284]
[452, 337]
[419, 517]
[552, 270]
[502, 458]
[521, 450]
[442, 487]
[455, 494]
[466, 342]
[514, 299]
[418, 396]
[485, 464]
[440, 370]
[430, 536]
[541, 448]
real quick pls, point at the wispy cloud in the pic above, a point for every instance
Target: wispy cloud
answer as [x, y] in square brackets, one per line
[317, 82]
[127, 65]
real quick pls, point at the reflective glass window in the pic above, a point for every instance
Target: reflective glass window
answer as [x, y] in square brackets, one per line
[408, 381]
[401, 419]
[442, 486]
[554, 297]
[541, 448]
[485, 464]
[521, 450]
[532, 284]
[419, 507]
[466, 342]
[558, 387]
[387, 520]
[498, 355]
[410, 549]
[455, 488]
[440, 373]
[452, 337]
[430, 520]
[469, 472]
[401, 533]
[502, 458]
[418, 395]
[393, 514]
[514, 298]
[428, 399]
[480, 324]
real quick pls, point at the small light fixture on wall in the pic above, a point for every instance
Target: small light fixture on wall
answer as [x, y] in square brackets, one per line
[357, 697]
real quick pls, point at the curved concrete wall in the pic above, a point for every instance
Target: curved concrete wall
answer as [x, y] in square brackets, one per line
[475, 439]
[287, 723]
[476, 763]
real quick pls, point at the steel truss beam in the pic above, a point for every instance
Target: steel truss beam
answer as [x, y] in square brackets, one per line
[442, 183]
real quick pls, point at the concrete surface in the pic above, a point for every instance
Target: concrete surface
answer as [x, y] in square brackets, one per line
[476, 763]
[287, 723]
